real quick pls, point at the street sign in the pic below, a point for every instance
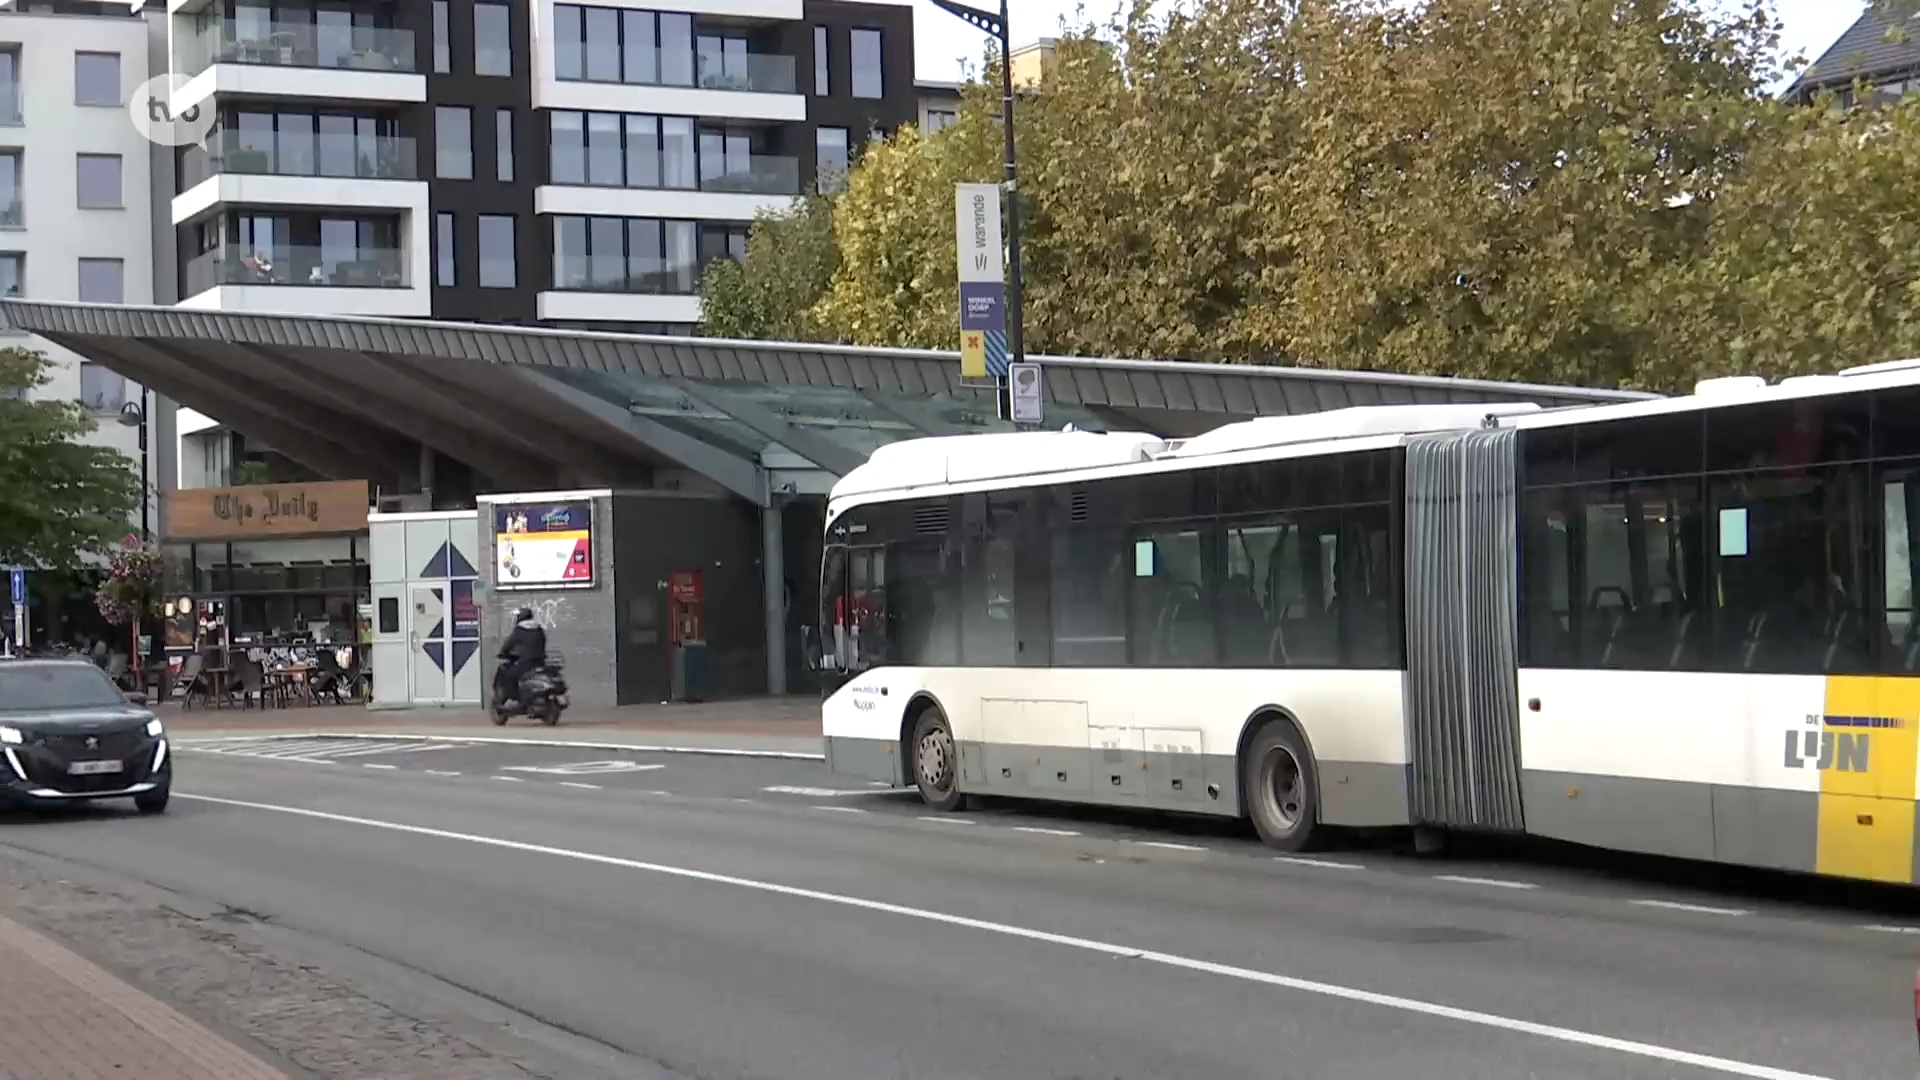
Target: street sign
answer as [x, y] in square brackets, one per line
[982, 267]
[18, 591]
[1025, 385]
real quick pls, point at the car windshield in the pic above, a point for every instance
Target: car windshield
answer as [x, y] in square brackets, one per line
[37, 687]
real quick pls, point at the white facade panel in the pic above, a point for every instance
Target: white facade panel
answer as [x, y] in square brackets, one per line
[549, 93]
[299, 83]
[653, 203]
[411, 302]
[305, 191]
[52, 232]
[618, 307]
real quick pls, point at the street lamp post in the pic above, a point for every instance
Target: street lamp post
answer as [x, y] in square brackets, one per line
[996, 27]
[136, 415]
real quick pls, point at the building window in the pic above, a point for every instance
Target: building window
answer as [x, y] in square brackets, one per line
[96, 79]
[832, 154]
[497, 259]
[822, 74]
[623, 150]
[101, 390]
[596, 44]
[631, 255]
[941, 119]
[443, 266]
[503, 145]
[867, 80]
[492, 39]
[99, 185]
[103, 281]
[9, 86]
[12, 209]
[453, 142]
[442, 49]
[13, 273]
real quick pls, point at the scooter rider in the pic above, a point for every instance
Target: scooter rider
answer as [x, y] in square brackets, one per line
[524, 652]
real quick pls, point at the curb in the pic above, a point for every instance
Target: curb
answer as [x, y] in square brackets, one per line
[478, 740]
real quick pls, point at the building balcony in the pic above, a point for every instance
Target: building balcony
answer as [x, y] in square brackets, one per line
[732, 85]
[612, 289]
[304, 279]
[737, 191]
[298, 60]
[343, 157]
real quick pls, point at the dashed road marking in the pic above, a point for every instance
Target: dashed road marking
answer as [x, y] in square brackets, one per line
[946, 820]
[510, 779]
[442, 772]
[1168, 845]
[1498, 883]
[1893, 929]
[1044, 832]
[839, 809]
[578, 784]
[1324, 864]
[370, 765]
[1698, 909]
[826, 793]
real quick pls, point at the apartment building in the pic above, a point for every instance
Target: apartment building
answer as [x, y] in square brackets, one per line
[1878, 58]
[76, 209]
[521, 161]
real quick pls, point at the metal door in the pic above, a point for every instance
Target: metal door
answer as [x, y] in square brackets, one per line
[429, 672]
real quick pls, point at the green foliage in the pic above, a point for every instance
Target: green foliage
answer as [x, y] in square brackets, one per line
[1573, 191]
[791, 259]
[130, 589]
[59, 498]
[249, 473]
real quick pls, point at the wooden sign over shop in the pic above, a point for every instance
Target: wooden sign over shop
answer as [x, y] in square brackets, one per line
[235, 513]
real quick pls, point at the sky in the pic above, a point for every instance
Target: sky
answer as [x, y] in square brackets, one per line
[942, 43]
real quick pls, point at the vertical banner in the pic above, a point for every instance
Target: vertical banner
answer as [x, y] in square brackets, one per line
[983, 291]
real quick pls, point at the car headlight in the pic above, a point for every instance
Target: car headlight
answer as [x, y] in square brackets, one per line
[11, 736]
[155, 728]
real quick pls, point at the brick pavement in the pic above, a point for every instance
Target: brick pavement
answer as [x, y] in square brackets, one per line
[67, 1019]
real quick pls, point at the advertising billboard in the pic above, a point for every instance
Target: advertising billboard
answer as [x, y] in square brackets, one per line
[542, 545]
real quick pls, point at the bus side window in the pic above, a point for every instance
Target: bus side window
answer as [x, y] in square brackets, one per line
[833, 609]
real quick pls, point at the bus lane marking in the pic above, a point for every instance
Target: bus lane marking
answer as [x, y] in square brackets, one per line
[1551, 1032]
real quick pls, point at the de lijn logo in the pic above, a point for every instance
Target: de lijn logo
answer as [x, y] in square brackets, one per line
[158, 118]
[1823, 748]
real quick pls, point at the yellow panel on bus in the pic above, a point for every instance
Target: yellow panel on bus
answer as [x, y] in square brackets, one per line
[1865, 747]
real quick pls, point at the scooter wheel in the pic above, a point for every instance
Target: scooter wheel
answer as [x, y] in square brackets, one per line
[550, 717]
[499, 718]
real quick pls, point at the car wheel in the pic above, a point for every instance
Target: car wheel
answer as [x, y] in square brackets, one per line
[152, 802]
[1279, 780]
[936, 761]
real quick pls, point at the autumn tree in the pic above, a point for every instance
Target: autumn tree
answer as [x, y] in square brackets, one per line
[791, 259]
[59, 497]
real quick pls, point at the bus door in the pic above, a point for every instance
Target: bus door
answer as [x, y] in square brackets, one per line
[853, 637]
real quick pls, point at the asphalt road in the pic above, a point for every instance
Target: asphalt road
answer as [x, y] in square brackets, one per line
[723, 918]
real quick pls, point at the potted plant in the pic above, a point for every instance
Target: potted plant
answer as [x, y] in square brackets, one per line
[129, 594]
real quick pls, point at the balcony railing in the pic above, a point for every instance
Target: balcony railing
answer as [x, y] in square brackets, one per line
[762, 174]
[764, 73]
[584, 273]
[300, 45]
[297, 266]
[350, 157]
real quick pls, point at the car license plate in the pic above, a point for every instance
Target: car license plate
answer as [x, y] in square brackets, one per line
[93, 768]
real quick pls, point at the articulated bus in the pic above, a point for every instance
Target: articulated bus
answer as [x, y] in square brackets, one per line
[1680, 626]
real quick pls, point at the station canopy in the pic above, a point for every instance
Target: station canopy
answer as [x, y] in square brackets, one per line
[533, 408]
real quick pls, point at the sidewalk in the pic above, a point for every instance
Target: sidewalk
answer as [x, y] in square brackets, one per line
[67, 1019]
[788, 725]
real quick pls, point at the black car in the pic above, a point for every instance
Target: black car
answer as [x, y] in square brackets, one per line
[68, 734]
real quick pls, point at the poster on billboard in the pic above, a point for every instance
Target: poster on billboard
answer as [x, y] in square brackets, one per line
[542, 545]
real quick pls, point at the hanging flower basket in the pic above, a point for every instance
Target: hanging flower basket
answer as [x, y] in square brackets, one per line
[131, 587]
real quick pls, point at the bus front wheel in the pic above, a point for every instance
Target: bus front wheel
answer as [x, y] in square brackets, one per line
[936, 761]
[1278, 778]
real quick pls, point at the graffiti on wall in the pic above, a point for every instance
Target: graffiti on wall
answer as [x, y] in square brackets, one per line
[550, 613]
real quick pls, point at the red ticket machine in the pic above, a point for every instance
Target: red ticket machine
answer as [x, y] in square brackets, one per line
[686, 635]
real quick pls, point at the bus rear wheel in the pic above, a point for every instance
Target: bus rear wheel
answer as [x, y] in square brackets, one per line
[936, 761]
[1282, 797]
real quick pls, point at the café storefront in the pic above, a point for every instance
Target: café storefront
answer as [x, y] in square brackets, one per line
[266, 567]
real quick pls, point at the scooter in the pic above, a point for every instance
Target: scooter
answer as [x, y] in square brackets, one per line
[542, 695]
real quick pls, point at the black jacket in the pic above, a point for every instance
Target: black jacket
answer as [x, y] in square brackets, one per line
[527, 644]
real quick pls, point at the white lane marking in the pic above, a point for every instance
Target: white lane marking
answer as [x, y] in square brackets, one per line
[1498, 883]
[441, 772]
[1124, 952]
[1699, 909]
[366, 765]
[1893, 929]
[1325, 864]
[578, 784]
[1040, 831]
[827, 793]
[365, 750]
[1168, 844]
[584, 768]
[477, 740]
[510, 779]
[944, 820]
[839, 809]
[657, 791]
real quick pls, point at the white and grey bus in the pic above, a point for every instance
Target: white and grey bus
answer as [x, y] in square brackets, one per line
[1680, 626]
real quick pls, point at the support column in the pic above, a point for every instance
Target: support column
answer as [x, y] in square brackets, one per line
[773, 587]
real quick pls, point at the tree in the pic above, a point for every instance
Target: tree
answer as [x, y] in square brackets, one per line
[791, 259]
[60, 498]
